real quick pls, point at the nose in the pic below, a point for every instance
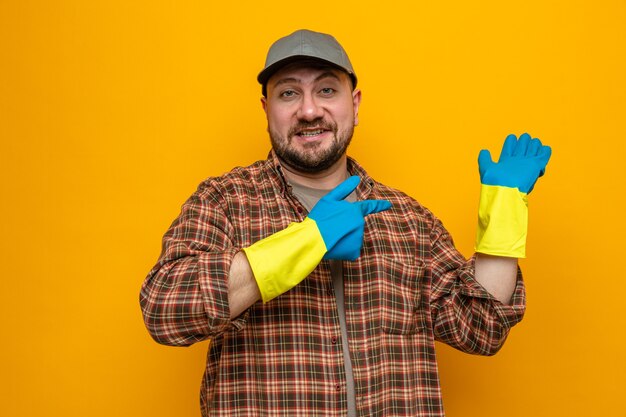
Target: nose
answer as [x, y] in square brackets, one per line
[309, 108]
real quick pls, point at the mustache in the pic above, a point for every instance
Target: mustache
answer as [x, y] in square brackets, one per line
[314, 124]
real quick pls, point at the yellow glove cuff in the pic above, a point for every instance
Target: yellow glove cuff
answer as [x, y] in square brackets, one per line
[502, 221]
[280, 261]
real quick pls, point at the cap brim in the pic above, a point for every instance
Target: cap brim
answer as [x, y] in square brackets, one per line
[267, 73]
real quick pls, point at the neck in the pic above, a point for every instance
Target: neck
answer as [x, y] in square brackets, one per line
[323, 180]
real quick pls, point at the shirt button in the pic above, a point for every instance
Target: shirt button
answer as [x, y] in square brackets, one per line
[299, 209]
[334, 340]
[337, 387]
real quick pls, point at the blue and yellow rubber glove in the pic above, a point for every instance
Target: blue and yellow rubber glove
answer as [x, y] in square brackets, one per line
[503, 208]
[333, 230]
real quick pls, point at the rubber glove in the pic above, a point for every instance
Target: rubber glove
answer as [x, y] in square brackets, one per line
[503, 208]
[333, 230]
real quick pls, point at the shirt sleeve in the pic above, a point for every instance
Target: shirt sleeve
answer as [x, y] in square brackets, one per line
[465, 315]
[184, 298]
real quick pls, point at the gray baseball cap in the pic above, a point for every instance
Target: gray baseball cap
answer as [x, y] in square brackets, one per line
[305, 44]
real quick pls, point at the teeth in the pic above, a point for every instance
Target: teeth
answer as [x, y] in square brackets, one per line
[312, 133]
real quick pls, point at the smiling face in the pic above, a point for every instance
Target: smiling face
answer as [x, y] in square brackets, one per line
[311, 113]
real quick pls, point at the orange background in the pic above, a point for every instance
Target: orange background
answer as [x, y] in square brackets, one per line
[111, 113]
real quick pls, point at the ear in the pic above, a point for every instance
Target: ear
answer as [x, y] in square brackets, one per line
[264, 104]
[356, 102]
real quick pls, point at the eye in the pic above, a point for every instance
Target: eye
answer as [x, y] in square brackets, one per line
[327, 91]
[288, 93]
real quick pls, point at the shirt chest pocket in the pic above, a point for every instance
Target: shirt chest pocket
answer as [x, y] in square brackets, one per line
[399, 296]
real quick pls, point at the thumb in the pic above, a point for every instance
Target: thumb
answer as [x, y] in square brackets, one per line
[484, 161]
[484, 158]
[372, 206]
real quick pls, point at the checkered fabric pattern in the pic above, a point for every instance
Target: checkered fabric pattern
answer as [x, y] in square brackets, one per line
[409, 287]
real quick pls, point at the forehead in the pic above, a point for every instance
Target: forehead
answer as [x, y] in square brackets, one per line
[305, 72]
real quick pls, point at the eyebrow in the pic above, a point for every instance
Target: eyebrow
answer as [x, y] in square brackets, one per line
[326, 74]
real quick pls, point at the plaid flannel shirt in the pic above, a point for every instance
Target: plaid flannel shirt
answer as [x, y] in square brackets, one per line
[409, 287]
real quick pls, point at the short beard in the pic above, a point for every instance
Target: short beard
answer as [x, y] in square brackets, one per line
[315, 160]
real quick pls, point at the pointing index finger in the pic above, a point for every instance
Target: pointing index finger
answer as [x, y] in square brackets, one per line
[373, 206]
[344, 189]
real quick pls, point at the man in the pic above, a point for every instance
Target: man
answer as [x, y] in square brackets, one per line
[322, 290]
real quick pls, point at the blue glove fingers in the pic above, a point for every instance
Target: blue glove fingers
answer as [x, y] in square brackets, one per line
[521, 163]
[522, 145]
[344, 189]
[372, 206]
[534, 147]
[544, 156]
[348, 246]
[484, 162]
[508, 147]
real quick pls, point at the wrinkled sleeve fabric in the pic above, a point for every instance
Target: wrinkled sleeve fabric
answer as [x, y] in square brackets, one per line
[466, 316]
[184, 298]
